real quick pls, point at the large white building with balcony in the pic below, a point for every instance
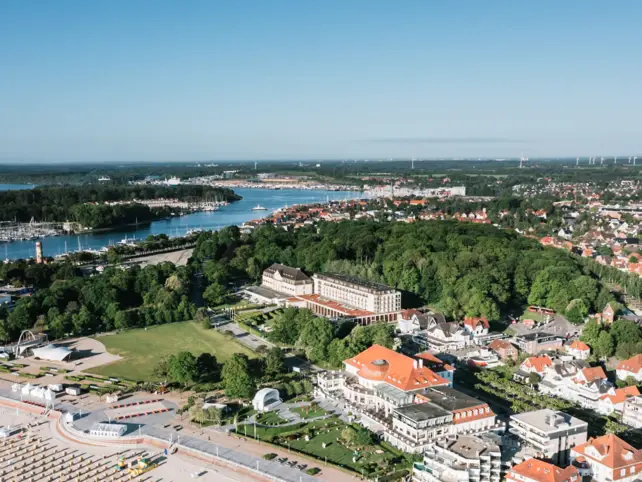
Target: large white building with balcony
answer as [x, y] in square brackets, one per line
[287, 280]
[464, 459]
[549, 434]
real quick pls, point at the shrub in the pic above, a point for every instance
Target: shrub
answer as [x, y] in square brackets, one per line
[269, 456]
[313, 471]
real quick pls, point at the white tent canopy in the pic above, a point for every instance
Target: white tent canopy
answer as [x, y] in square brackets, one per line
[52, 353]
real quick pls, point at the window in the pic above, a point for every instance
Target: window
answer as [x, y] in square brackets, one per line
[623, 472]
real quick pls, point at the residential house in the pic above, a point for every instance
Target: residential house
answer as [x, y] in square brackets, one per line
[533, 470]
[438, 366]
[414, 320]
[608, 314]
[533, 364]
[465, 459]
[615, 399]
[548, 433]
[504, 349]
[476, 326]
[630, 368]
[444, 337]
[578, 350]
[608, 458]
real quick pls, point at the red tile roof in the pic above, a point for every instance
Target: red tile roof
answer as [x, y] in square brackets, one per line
[612, 452]
[537, 363]
[621, 394]
[473, 322]
[542, 472]
[633, 364]
[379, 363]
[578, 345]
[594, 373]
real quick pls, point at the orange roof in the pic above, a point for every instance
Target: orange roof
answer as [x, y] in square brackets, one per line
[379, 363]
[538, 363]
[633, 364]
[542, 471]
[578, 345]
[473, 322]
[408, 314]
[611, 451]
[594, 373]
[501, 345]
[621, 394]
[433, 360]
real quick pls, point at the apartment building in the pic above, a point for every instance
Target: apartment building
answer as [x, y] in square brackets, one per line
[436, 414]
[534, 343]
[607, 459]
[549, 434]
[533, 470]
[465, 459]
[287, 280]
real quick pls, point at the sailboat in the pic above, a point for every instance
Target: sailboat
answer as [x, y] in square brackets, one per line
[258, 207]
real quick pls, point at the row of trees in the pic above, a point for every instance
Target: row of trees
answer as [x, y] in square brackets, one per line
[462, 269]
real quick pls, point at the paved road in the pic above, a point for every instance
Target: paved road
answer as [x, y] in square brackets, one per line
[248, 339]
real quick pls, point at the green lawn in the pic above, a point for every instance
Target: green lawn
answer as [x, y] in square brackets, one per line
[309, 412]
[328, 431]
[142, 349]
[270, 418]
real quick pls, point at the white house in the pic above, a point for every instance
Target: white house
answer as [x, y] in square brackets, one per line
[608, 458]
[630, 368]
[578, 350]
[476, 326]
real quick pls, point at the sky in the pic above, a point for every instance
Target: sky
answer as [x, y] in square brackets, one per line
[155, 80]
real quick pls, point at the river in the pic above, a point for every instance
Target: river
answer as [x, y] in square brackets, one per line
[235, 213]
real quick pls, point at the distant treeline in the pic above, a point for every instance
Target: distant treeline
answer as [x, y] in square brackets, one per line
[70, 203]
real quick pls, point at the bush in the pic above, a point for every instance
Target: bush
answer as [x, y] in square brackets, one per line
[313, 471]
[269, 456]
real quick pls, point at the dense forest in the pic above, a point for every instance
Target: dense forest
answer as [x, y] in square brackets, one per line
[66, 302]
[70, 203]
[460, 269]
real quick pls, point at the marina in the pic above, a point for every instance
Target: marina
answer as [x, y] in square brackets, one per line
[235, 213]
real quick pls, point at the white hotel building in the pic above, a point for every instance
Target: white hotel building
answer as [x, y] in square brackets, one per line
[337, 295]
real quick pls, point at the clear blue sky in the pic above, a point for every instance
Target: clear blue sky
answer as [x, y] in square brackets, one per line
[198, 80]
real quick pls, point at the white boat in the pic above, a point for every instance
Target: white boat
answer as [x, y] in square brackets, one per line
[259, 208]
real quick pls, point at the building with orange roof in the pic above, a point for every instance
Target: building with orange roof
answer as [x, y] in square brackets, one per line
[534, 470]
[630, 368]
[536, 364]
[379, 380]
[608, 459]
[438, 366]
[504, 349]
[614, 400]
[578, 350]
[476, 326]
[548, 433]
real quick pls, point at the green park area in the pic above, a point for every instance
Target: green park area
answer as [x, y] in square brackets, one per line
[142, 349]
[349, 447]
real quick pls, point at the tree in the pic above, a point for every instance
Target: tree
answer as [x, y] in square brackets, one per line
[237, 378]
[315, 337]
[161, 370]
[182, 367]
[591, 332]
[274, 362]
[625, 331]
[534, 378]
[206, 367]
[604, 346]
[576, 311]
[215, 294]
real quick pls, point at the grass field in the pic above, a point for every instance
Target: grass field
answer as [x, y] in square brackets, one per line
[142, 349]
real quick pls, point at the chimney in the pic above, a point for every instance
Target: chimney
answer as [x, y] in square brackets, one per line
[421, 363]
[415, 364]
